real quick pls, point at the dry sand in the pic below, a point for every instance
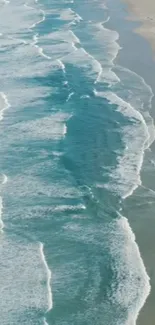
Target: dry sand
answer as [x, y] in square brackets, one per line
[144, 11]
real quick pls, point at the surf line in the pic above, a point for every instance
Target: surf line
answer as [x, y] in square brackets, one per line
[49, 275]
[40, 49]
[6, 105]
[44, 320]
[27, 6]
[1, 221]
[126, 229]
[5, 179]
[39, 21]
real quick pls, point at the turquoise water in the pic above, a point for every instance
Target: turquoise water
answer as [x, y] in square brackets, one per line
[74, 128]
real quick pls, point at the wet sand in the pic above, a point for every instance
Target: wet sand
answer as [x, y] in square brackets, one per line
[137, 55]
[142, 215]
[144, 11]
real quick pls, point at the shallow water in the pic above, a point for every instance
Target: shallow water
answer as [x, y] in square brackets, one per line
[74, 129]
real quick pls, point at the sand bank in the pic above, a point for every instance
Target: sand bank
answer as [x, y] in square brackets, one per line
[144, 11]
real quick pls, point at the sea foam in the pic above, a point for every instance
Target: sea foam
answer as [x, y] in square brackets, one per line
[42, 13]
[124, 179]
[4, 105]
[22, 257]
[132, 286]
[48, 272]
[126, 176]
[1, 221]
[51, 127]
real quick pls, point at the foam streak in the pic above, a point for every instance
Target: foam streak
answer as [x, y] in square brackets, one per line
[48, 272]
[40, 49]
[39, 21]
[6, 104]
[1, 221]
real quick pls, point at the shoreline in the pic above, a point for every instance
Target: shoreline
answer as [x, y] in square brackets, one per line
[138, 211]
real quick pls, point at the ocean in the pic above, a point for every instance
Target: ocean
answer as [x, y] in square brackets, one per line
[74, 128]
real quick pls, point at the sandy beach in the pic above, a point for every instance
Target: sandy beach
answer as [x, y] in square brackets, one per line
[145, 12]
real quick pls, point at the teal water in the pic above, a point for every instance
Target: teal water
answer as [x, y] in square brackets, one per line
[74, 128]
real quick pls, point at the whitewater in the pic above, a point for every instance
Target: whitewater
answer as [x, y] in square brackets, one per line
[50, 203]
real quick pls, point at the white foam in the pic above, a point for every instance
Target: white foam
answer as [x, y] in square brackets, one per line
[35, 39]
[80, 57]
[55, 128]
[69, 14]
[131, 287]
[140, 95]
[29, 185]
[60, 44]
[69, 1]
[75, 38]
[5, 179]
[62, 36]
[57, 153]
[27, 6]
[16, 18]
[49, 274]
[103, 69]
[65, 130]
[44, 322]
[51, 127]
[85, 96]
[96, 65]
[31, 95]
[19, 39]
[125, 178]
[5, 104]
[108, 39]
[1, 221]
[73, 46]
[62, 208]
[152, 162]
[106, 20]
[58, 50]
[42, 12]
[24, 277]
[87, 190]
[40, 49]
[6, 2]
[69, 96]
[62, 66]
[125, 108]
